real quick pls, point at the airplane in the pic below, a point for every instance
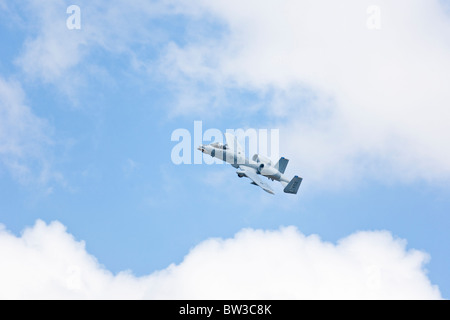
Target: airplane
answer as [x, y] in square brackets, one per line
[259, 165]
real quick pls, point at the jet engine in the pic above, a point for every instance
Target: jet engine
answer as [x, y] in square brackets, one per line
[265, 167]
[261, 159]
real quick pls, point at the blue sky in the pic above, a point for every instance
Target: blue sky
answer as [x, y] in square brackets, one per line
[91, 145]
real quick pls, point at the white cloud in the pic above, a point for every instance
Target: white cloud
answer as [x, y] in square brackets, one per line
[55, 49]
[355, 102]
[47, 262]
[54, 54]
[24, 137]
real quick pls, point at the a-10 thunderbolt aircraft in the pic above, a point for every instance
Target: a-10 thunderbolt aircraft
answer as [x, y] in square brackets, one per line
[232, 153]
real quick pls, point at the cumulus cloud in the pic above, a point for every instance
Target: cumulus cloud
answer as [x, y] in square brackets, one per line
[24, 137]
[55, 49]
[47, 262]
[54, 53]
[355, 102]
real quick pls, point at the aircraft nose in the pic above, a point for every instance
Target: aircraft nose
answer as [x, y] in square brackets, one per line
[201, 148]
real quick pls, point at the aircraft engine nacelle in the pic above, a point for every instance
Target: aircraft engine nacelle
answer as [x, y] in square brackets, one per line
[268, 171]
[261, 159]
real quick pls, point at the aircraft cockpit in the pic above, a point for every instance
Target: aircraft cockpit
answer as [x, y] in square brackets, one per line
[219, 145]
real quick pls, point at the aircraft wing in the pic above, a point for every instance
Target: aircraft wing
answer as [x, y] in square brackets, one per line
[252, 175]
[233, 144]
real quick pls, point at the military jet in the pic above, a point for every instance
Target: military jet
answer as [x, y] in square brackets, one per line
[258, 166]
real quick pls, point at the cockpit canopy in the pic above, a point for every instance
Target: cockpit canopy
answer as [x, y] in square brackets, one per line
[219, 145]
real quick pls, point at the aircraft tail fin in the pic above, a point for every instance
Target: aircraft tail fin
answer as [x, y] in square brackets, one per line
[282, 164]
[292, 187]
